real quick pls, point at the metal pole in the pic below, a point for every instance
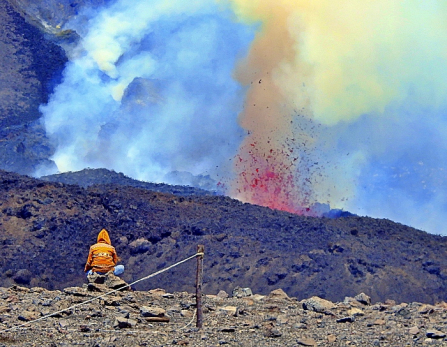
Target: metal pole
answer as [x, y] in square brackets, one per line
[200, 249]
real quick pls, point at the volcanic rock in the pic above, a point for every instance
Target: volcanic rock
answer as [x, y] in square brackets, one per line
[31, 67]
[72, 319]
[46, 229]
[152, 311]
[239, 292]
[318, 305]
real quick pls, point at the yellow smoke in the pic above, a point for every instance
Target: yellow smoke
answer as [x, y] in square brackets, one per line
[332, 62]
[347, 58]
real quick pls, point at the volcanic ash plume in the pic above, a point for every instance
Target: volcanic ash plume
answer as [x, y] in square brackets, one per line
[346, 105]
[149, 90]
[305, 102]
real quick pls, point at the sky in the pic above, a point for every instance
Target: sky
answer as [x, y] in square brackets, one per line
[292, 104]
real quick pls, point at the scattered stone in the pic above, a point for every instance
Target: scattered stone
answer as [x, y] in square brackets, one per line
[442, 304]
[278, 294]
[282, 319]
[222, 294]
[96, 278]
[28, 316]
[363, 298]
[331, 338]
[157, 292]
[146, 311]
[114, 282]
[76, 291]
[154, 320]
[426, 309]
[4, 309]
[103, 283]
[272, 332]
[355, 312]
[352, 302]
[239, 292]
[435, 334]
[186, 313]
[230, 310]
[390, 302]
[84, 328]
[123, 323]
[318, 305]
[258, 297]
[228, 330]
[93, 287]
[181, 342]
[413, 330]
[348, 319]
[123, 313]
[379, 322]
[306, 341]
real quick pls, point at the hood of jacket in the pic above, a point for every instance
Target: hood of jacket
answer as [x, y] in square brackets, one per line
[103, 237]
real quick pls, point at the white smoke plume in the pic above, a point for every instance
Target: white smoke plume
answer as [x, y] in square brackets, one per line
[149, 90]
[322, 101]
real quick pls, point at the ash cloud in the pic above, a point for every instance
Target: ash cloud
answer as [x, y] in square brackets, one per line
[290, 103]
[370, 77]
[149, 90]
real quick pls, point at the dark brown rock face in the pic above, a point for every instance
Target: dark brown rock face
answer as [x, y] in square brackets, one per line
[30, 63]
[31, 66]
[51, 15]
[46, 229]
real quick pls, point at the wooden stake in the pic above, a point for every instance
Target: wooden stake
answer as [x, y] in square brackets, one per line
[200, 249]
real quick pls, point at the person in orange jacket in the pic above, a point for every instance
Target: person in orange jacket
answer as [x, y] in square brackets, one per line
[102, 257]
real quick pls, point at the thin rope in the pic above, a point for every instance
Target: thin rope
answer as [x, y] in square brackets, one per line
[98, 330]
[103, 295]
[192, 319]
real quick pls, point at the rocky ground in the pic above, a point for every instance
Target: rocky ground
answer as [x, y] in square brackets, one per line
[159, 318]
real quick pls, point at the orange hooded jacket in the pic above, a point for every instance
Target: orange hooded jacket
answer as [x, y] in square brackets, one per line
[102, 256]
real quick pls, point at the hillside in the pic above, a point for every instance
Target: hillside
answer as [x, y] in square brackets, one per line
[90, 177]
[31, 65]
[47, 227]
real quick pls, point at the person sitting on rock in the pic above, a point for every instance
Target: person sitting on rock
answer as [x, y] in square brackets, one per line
[102, 257]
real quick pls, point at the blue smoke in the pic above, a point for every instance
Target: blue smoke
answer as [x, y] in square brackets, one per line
[149, 90]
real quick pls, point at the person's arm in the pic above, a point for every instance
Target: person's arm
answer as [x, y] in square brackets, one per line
[88, 265]
[115, 257]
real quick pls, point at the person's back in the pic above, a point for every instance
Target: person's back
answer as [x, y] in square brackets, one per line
[102, 257]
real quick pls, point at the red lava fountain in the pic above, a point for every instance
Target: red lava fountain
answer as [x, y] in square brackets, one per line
[268, 175]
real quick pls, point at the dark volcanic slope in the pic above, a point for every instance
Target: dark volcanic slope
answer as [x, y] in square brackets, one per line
[46, 230]
[29, 68]
[29, 63]
[89, 177]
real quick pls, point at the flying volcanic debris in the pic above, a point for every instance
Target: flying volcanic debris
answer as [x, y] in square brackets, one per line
[369, 76]
[291, 103]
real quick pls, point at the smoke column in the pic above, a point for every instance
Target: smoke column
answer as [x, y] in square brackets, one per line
[149, 90]
[290, 102]
[346, 106]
